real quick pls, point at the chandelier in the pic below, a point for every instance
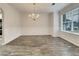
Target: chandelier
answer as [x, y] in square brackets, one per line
[34, 15]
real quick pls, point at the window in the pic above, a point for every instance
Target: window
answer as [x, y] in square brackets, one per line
[70, 21]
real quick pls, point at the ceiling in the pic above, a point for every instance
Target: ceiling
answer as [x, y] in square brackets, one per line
[40, 7]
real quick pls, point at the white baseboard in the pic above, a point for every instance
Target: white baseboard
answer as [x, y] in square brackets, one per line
[54, 35]
[10, 40]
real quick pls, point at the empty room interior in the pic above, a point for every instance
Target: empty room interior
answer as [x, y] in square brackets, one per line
[39, 29]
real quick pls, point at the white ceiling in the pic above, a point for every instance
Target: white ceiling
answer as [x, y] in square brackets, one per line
[40, 7]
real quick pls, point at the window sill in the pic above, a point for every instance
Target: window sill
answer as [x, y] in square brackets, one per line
[70, 32]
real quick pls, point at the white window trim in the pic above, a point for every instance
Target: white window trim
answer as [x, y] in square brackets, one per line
[61, 28]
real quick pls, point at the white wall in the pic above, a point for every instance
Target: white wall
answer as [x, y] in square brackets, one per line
[51, 23]
[11, 24]
[55, 24]
[54, 21]
[39, 27]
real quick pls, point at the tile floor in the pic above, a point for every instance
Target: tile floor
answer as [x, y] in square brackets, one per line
[39, 46]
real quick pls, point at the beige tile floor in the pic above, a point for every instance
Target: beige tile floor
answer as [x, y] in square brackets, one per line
[39, 46]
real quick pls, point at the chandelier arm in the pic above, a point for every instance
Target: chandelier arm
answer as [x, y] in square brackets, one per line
[34, 8]
[34, 15]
